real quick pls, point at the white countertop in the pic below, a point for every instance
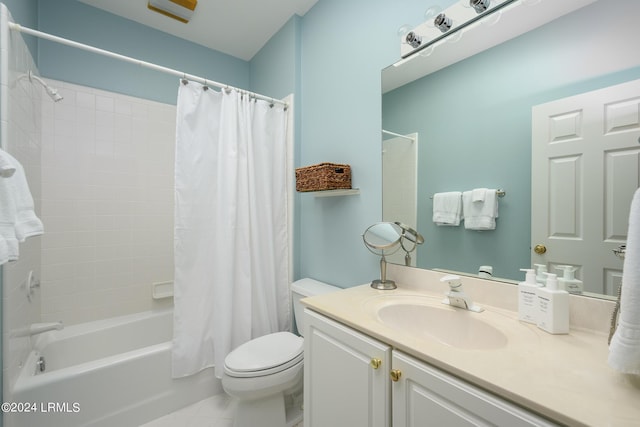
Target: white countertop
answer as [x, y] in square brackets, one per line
[563, 377]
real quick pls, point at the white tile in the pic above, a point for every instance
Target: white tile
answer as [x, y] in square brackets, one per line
[104, 103]
[94, 197]
[123, 105]
[85, 100]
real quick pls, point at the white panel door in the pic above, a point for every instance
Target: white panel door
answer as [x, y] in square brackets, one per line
[400, 186]
[585, 169]
[346, 376]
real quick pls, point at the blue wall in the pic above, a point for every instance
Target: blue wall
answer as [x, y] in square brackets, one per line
[275, 70]
[77, 21]
[474, 125]
[345, 44]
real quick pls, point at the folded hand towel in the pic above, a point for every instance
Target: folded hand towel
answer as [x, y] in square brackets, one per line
[447, 208]
[27, 224]
[7, 167]
[624, 350]
[480, 215]
[478, 194]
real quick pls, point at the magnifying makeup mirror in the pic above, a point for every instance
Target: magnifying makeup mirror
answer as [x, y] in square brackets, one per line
[409, 240]
[383, 238]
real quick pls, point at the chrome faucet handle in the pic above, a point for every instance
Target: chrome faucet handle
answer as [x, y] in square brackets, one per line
[454, 281]
[456, 296]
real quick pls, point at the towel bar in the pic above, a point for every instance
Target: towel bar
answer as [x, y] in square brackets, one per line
[499, 193]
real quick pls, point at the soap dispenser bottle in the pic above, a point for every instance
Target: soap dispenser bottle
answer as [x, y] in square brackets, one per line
[541, 272]
[527, 297]
[568, 281]
[553, 307]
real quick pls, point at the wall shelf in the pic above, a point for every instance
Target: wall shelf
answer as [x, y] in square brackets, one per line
[333, 193]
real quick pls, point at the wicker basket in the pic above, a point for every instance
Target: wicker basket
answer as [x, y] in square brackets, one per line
[323, 176]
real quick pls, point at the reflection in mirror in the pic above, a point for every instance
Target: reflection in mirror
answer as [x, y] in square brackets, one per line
[474, 119]
[399, 192]
[383, 239]
[409, 241]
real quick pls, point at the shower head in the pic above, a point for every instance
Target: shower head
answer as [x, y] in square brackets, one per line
[53, 93]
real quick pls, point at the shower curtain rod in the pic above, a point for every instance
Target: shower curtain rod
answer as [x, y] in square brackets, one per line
[206, 82]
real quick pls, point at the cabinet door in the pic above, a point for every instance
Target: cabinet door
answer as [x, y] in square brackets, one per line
[425, 396]
[342, 386]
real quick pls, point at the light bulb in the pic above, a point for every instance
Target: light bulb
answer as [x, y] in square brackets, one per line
[403, 30]
[430, 13]
[443, 22]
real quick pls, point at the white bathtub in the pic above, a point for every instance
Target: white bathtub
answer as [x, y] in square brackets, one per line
[113, 372]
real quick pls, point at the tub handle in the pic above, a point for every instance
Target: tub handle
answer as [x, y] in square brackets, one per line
[41, 365]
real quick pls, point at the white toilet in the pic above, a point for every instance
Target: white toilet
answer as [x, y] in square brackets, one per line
[265, 374]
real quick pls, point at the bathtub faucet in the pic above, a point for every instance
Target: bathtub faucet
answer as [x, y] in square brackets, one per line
[38, 328]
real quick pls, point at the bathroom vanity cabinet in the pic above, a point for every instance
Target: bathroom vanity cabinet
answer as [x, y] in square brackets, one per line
[354, 380]
[346, 376]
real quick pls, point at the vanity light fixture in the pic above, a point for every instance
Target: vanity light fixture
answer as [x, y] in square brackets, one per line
[443, 22]
[480, 5]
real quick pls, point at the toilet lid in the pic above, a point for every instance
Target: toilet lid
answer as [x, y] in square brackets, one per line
[265, 355]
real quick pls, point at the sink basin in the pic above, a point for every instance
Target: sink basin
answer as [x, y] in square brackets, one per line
[455, 327]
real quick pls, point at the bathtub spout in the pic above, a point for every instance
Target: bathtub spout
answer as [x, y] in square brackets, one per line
[38, 328]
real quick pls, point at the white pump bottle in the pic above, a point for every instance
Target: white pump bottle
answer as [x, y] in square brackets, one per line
[568, 281]
[553, 307]
[527, 297]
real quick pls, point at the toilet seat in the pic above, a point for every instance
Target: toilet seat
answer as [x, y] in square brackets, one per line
[265, 355]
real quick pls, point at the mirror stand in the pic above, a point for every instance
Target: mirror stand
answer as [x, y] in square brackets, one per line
[383, 239]
[383, 284]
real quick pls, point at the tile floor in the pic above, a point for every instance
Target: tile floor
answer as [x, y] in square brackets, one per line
[215, 411]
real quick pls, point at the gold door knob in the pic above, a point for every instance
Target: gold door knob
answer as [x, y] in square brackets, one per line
[375, 363]
[396, 374]
[540, 249]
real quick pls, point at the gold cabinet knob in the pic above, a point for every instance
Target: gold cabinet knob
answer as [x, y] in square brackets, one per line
[375, 363]
[396, 374]
[540, 249]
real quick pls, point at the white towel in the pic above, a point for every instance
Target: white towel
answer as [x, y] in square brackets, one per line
[4, 251]
[8, 219]
[478, 194]
[27, 224]
[447, 208]
[7, 167]
[480, 215]
[18, 220]
[624, 350]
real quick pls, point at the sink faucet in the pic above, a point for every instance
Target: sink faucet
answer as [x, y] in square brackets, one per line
[456, 296]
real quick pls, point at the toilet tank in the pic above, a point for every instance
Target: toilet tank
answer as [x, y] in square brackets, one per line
[306, 288]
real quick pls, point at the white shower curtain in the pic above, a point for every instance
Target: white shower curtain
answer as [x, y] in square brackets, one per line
[231, 225]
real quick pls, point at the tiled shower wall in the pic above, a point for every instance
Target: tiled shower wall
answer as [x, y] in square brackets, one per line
[21, 125]
[107, 203]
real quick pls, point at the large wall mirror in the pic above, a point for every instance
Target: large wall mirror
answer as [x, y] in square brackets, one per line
[473, 121]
